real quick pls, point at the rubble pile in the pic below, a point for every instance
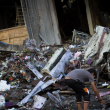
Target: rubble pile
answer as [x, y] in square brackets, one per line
[34, 78]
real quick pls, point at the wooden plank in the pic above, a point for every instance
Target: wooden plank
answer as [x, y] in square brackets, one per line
[58, 86]
[88, 11]
[67, 92]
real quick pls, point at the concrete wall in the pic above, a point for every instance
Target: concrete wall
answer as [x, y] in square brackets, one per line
[48, 22]
[14, 35]
[41, 18]
[13, 48]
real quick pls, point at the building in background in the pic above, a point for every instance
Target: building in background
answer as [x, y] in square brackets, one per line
[51, 21]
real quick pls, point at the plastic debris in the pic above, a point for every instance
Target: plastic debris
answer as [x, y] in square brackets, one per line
[4, 86]
[2, 101]
[103, 94]
[38, 101]
[105, 84]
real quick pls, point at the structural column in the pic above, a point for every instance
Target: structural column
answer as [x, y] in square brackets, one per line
[89, 17]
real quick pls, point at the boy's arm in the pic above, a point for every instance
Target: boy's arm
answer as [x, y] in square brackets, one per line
[96, 92]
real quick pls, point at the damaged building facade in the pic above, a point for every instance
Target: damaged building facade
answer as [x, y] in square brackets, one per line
[50, 20]
[41, 41]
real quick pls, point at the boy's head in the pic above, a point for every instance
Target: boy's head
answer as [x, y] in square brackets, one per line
[93, 72]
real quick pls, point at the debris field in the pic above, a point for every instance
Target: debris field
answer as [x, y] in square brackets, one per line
[34, 78]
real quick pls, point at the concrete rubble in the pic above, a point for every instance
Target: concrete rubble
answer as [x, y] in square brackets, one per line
[34, 78]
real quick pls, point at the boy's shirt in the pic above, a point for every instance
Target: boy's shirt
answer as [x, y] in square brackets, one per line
[80, 74]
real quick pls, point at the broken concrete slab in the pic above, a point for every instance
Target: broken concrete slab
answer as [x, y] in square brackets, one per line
[53, 61]
[93, 46]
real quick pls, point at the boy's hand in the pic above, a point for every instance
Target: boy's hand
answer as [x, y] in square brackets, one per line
[97, 93]
[102, 101]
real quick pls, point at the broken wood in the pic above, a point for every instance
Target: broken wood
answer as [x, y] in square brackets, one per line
[67, 92]
[58, 86]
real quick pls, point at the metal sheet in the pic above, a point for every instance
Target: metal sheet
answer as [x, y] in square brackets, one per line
[48, 83]
[34, 70]
[31, 93]
[59, 68]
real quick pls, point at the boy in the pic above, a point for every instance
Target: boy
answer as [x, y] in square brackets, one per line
[75, 79]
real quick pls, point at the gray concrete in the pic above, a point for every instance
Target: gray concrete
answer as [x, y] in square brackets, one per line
[10, 47]
[41, 18]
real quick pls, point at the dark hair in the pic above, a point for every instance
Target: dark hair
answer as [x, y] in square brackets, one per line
[92, 70]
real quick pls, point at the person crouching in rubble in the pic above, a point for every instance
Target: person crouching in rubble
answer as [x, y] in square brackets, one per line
[75, 79]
